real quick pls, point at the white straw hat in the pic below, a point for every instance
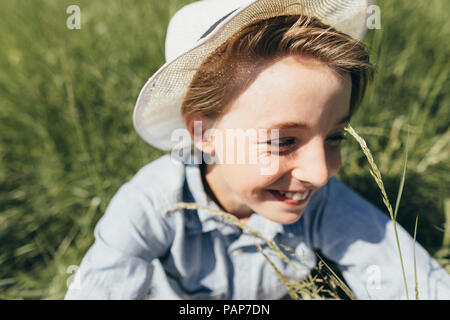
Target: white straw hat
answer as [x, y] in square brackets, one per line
[197, 29]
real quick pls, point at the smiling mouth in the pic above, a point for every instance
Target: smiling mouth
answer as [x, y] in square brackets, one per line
[291, 198]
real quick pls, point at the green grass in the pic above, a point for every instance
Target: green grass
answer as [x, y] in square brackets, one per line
[411, 90]
[67, 142]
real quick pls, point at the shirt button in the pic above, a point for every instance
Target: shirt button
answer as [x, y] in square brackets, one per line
[236, 252]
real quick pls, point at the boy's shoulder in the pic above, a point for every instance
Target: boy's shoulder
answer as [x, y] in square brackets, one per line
[161, 180]
[164, 169]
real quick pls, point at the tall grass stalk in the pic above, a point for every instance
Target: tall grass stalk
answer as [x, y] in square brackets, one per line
[446, 238]
[416, 284]
[402, 179]
[344, 287]
[283, 279]
[377, 176]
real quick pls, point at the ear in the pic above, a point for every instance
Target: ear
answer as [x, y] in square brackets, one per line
[197, 125]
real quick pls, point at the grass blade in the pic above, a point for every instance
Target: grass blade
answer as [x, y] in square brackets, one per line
[341, 283]
[402, 181]
[375, 172]
[446, 239]
[416, 285]
[283, 279]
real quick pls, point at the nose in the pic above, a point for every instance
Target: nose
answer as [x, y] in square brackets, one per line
[311, 165]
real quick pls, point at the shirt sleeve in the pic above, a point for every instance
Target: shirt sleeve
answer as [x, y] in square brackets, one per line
[360, 238]
[129, 236]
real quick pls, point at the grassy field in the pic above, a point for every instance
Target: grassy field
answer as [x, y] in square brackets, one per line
[67, 142]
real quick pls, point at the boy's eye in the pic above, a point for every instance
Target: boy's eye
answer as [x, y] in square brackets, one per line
[337, 139]
[282, 142]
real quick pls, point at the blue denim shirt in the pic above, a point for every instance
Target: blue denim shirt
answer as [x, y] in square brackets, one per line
[141, 251]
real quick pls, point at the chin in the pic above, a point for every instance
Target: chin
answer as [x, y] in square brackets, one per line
[285, 217]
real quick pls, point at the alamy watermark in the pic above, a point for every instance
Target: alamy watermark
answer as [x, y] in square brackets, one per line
[230, 146]
[73, 22]
[374, 17]
[73, 281]
[373, 280]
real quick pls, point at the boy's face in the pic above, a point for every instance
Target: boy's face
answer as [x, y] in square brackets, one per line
[306, 101]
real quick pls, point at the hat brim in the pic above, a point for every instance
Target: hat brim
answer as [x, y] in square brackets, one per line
[157, 117]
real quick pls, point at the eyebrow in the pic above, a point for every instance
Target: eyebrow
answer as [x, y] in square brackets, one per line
[297, 125]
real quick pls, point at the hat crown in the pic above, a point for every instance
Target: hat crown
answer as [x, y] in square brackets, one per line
[190, 23]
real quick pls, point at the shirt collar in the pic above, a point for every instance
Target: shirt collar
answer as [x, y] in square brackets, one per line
[208, 220]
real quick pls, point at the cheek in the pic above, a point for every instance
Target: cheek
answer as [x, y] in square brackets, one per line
[249, 170]
[246, 180]
[334, 160]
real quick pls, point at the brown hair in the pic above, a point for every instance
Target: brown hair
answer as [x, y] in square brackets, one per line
[233, 65]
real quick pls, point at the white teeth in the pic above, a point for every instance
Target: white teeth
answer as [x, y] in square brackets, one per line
[295, 196]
